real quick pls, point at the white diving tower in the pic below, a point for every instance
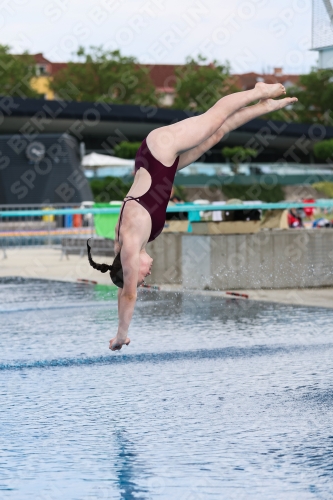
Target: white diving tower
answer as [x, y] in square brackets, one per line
[322, 31]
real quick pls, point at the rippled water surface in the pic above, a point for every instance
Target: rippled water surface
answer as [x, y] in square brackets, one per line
[213, 399]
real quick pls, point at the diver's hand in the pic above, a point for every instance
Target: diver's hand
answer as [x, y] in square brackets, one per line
[116, 343]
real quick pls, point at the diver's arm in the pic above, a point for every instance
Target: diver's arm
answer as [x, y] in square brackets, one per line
[130, 260]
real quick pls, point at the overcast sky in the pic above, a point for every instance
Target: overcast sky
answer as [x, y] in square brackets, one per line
[254, 35]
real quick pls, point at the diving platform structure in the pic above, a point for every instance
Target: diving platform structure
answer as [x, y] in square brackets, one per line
[322, 32]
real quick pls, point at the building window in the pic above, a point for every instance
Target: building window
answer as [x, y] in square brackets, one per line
[41, 69]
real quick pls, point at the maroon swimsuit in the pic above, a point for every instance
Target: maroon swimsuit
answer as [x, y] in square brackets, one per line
[156, 199]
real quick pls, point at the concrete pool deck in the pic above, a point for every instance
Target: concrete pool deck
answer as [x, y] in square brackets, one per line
[48, 263]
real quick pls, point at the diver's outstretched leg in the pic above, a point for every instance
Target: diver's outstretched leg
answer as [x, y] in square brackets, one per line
[166, 143]
[234, 121]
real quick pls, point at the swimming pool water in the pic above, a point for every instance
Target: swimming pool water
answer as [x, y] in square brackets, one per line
[213, 399]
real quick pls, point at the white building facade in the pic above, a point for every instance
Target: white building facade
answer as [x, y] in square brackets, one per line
[322, 32]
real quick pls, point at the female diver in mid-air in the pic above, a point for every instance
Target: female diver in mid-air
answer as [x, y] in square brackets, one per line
[164, 151]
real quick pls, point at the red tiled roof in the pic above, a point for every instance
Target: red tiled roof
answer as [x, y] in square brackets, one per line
[248, 80]
[162, 75]
[40, 59]
[55, 67]
[164, 78]
[52, 68]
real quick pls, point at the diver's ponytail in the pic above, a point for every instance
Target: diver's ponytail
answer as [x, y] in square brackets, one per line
[99, 267]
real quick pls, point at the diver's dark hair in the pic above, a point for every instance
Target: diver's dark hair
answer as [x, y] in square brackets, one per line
[116, 269]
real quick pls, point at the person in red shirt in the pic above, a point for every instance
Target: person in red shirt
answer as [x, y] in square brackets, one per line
[309, 211]
[294, 219]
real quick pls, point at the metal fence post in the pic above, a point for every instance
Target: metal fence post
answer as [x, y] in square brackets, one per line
[4, 251]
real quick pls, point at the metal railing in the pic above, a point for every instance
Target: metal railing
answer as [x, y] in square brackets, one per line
[174, 208]
[31, 225]
[36, 225]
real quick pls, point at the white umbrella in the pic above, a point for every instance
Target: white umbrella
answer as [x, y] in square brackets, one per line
[95, 160]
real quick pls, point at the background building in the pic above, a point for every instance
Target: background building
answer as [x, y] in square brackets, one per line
[163, 77]
[322, 32]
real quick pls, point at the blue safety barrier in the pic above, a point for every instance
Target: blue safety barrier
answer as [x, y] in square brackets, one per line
[174, 208]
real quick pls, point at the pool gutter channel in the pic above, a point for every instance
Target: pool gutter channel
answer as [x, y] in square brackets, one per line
[304, 297]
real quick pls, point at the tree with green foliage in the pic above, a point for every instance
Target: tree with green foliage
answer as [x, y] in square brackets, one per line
[16, 73]
[288, 114]
[323, 150]
[105, 76]
[126, 149]
[315, 96]
[237, 155]
[326, 188]
[253, 192]
[108, 189]
[200, 85]
[180, 192]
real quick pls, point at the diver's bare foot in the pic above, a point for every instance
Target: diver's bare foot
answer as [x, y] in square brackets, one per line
[269, 90]
[274, 105]
[116, 344]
